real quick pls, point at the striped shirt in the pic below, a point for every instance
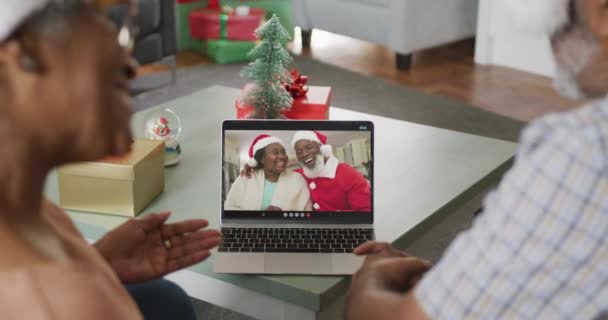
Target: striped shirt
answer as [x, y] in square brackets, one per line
[540, 249]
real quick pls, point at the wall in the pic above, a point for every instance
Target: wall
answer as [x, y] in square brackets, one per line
[499, 43]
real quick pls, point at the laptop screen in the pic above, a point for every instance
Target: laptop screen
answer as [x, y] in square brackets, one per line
[298, 170]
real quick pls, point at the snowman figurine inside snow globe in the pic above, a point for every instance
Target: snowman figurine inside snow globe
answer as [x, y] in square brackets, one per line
[165, 125]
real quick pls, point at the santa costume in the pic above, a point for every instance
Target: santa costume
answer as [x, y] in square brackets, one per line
[338, 186]
[290, 193]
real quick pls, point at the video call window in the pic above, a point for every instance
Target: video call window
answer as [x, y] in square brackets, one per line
[319, 171]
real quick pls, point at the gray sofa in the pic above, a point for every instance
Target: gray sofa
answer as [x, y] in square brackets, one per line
[156, 40]
[404, 26]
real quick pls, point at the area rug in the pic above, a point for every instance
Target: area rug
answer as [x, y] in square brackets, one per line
[350, 91]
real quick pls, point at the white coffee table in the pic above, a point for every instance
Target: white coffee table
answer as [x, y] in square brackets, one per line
[422, 175]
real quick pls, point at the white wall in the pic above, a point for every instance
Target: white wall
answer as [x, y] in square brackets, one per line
[498, 43]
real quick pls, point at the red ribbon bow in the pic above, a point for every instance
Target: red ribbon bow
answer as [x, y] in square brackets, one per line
[297, 87]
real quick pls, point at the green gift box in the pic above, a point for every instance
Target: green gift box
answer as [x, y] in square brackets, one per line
[225, 51]
[282, 8]
[184, 7]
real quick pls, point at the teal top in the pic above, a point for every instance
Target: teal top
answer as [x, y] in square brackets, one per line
[268, 192]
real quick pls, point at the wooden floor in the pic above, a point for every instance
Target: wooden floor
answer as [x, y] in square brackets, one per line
[448, 71]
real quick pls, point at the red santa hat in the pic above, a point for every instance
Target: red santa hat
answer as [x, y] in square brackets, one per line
[315, 136]
[14, 13]
[535, 16]
[260, 142]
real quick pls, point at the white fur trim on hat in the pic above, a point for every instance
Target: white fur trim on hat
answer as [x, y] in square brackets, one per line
[304, 135]
[326, 150]
[14, 12]
[261, 144]
[252, 163]
[530, 16]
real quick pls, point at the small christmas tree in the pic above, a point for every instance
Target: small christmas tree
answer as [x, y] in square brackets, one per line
[268, 72]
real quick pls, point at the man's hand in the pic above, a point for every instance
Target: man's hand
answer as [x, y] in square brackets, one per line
[378, 290]
[247, 172]
[388, 268]
[146, 249]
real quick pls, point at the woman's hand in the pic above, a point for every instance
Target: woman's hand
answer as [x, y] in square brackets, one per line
[145, 249]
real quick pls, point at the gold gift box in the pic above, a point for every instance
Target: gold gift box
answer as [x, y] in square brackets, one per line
[120, 186]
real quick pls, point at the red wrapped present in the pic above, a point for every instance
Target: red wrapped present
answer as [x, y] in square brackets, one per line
[309, 103]
[208, 24]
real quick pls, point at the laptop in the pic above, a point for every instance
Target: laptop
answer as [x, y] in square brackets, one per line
[291, 215]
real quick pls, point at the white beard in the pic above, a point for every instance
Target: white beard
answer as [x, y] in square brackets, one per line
[574, 58]
[566, 85]
[316, 171]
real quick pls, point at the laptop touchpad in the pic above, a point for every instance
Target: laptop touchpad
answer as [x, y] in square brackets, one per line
[297, 263]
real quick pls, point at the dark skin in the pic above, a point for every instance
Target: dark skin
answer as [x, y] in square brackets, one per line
[274, 162]
[51, 126]
[383, 288]
[307, 152]
[391, 273]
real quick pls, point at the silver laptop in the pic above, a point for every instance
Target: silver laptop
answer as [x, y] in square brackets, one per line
[305, 206]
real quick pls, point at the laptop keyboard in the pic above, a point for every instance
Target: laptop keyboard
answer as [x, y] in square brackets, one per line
[311, 240]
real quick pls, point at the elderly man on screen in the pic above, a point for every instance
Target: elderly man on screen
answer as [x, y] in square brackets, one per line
[333, 186]
[540, 250]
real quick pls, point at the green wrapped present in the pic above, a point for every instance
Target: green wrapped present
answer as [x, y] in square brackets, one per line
[184, 7]
[225, 51]
[282, 8]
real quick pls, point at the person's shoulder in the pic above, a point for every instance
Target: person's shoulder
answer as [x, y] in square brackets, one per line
[241, 179]
[294, 175]
[345, 168]
[570, 133]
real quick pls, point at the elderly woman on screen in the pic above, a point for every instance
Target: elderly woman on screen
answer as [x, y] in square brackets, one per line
[273, 187]
[64, 97]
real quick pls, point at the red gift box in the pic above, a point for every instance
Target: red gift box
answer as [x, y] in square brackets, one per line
[312, 106]
[207, 24]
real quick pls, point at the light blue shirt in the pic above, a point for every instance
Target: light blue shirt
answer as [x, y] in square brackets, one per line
[269, 188]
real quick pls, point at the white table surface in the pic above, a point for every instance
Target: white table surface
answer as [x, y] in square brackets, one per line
[420, 172]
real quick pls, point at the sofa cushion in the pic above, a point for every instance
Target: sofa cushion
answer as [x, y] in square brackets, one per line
[149, 16]
[377, 3]
[149, 49]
